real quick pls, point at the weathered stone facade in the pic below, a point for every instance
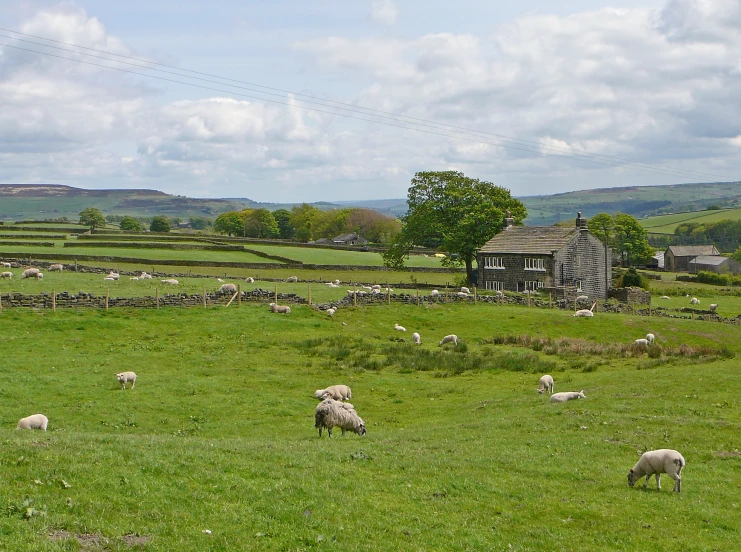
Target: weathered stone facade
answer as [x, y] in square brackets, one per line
[677, 257]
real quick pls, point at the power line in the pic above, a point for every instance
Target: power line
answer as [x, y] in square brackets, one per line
[525, 146]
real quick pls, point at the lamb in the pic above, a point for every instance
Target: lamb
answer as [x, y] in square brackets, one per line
[283, 309]
[545, 384]
[125, 377]
[656, 462]
[335, 392]
[37, 421]
[8, 275]
[452, 338]
[462, 294]
[113, 275]
[416, 339]
[292, 279]
[250, 280]
[39, 276]
[694, 301]
[567, 396]
[109, 279]
[665, 297]
[582, 298]
[228, 288]
[56, 268]
[376, 286]
[650, 338]
[399, 328]
[220, 280]
[330, 413]
[145, 276]
[712, 307]
[434, 292]
[30, 273]
[170, 281]
[331, 311]
[465, 290]
[584, 312]
[6, 265]
[641, 342]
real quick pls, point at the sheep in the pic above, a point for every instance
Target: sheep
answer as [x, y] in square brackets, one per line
[125, 377]
[56, 268]
[584, 312]
[283, 309]
[134, 278]
[250, 280]
[227, 288]
[109, 279]
[30, 273]
[39, 276]
[582, 298]
[465, 290]
[331, 414]
[650, 338]
[712, 307]
[114, 275]
[462, 294]
[567, 396]
[170, 281]
[336, 392]
[434, 292]
[545, 384]
[416, 339]
[399, 328]
[337, 282]
[376, 286]
[694, 301]
[331, 311]
[36, 421]
[293, 279]
[452, 338]
[665, 297]
[6, 265]
[656, 462]
[220, 280]
[8, 275]
[641, 342]
[145, 276]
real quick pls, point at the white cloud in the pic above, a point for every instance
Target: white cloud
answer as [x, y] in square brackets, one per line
[384, 11]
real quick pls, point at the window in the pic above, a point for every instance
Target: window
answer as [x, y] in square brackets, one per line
[494, 286]
[494, 262]
[578, 285]
[533, 284]
[534, 264]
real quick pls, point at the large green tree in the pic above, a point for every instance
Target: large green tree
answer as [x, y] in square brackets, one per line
[130, 224]
[260, 223]
[229, 223]
[92, 217]
[459, 212]
[625, 235]
[160, 223]
[283, 220]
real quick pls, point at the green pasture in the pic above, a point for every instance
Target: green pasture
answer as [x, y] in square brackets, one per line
[461, 452]
[666, 224]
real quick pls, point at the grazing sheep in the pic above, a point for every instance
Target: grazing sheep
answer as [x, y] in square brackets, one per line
[109, 279]
[567, 396]
[376, 286]
[582, 298]
[712, 307]
[656, 462]
[545, 384]
[30, 273]
[114, 275]
[434, 292]
[56, 268]
[641, 342]
[145, 276]
[220, 280]
[330, 413]
[452, 338]
[228, 288]
[584, 312]
[399, 328]
[125, 377]
[250, 280]
[39, 276]
[336, 392]
[37, 421]
[499, 293]
[6, 265]
[8, 275]
[292, 279]
[465, 290]
[331, 311]
[170, 281]
[650, 338]
[462, 294]
[283, 309]
[694, 301]
[665, 297]
[416, 339]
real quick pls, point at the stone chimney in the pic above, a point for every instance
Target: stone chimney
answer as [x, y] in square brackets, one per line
[509, 222]
[581, 223]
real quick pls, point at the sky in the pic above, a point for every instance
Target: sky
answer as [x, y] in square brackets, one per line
[536, 96]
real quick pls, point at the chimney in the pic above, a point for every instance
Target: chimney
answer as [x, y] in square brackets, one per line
[581, 223]
[509, 222]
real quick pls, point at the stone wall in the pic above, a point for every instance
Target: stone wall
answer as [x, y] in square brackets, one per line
[631, 295]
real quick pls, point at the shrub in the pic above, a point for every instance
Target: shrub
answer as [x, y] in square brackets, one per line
[631, 278]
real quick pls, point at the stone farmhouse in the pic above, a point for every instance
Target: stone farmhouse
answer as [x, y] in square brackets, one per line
[558, 258]
[714, 263]
[678, 257]
[351, 238]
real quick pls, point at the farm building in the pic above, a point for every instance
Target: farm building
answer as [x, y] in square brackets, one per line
[523, 258]
[714, 263]
[677, 257]
[349, 239]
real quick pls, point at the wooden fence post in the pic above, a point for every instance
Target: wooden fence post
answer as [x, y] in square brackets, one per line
[528, 298]
[157, 296]
[53, 301]
[276, 295]
[355, 298]
[418, 297]
[388, 294]
[309, 294]
[204, 297]
[1, 303]
[550, 299]
[239, 295]
[474, 295]
[107, 294]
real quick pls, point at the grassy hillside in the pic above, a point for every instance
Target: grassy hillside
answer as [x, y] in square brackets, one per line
[666, 224]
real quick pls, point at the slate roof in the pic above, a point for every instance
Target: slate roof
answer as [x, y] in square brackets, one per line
[538, 240]
[692, 250]
[711, 260]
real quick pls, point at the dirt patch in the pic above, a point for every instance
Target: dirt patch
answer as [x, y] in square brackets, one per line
[729, 454]
[136, 540]
[41, 444]
[95, 541]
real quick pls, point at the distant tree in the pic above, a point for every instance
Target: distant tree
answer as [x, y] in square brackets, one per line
[229, 223]
[130, 224]
[461, 213]
[200, 223]
[630, 241]
[302, 220]
[372, 225]
[283, 219]
[260, 223]
[92, 217]
[160, 223]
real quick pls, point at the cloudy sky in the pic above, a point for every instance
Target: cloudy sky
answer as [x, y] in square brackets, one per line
[539, 97]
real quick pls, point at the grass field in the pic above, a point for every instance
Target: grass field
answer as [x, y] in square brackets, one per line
[666, 224]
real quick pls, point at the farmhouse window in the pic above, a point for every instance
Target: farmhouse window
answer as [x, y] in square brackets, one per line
[494, 286]
[533, 284]
[494, 262]
[578, 285]
[534, 264]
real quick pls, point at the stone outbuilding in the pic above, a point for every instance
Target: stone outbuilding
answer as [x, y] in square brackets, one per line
[349, 239]
[522, 258]
[677, 257]
[714, 263]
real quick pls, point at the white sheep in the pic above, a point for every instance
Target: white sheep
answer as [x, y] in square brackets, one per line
[582, 298]
[39, 276]
[434, 292]
[228, 288]
[694, 301]
[283, 309]
[399, 328]
[545, 384]
[452, 338]
[331, 311]
[250, 280]
[134, 278]
[220, 280]
[567, 396]
[584, 312]
[170, 281]
[376, 286]
[6, 265]
[114, 275]
[330, 413]
[416, 339]
[36, 421]
[109, 279]
[462, 294]
[56, 268]
[30, 273]
[656, 462]
[641, 342]
[145, 276]
[665, 297]
[125, 377]
[8, 275]
[336, 392]
[465, 290]
[292, 279]
[650, 338]
[712, 307]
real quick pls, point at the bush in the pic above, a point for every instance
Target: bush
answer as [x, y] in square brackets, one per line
[631, 278]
